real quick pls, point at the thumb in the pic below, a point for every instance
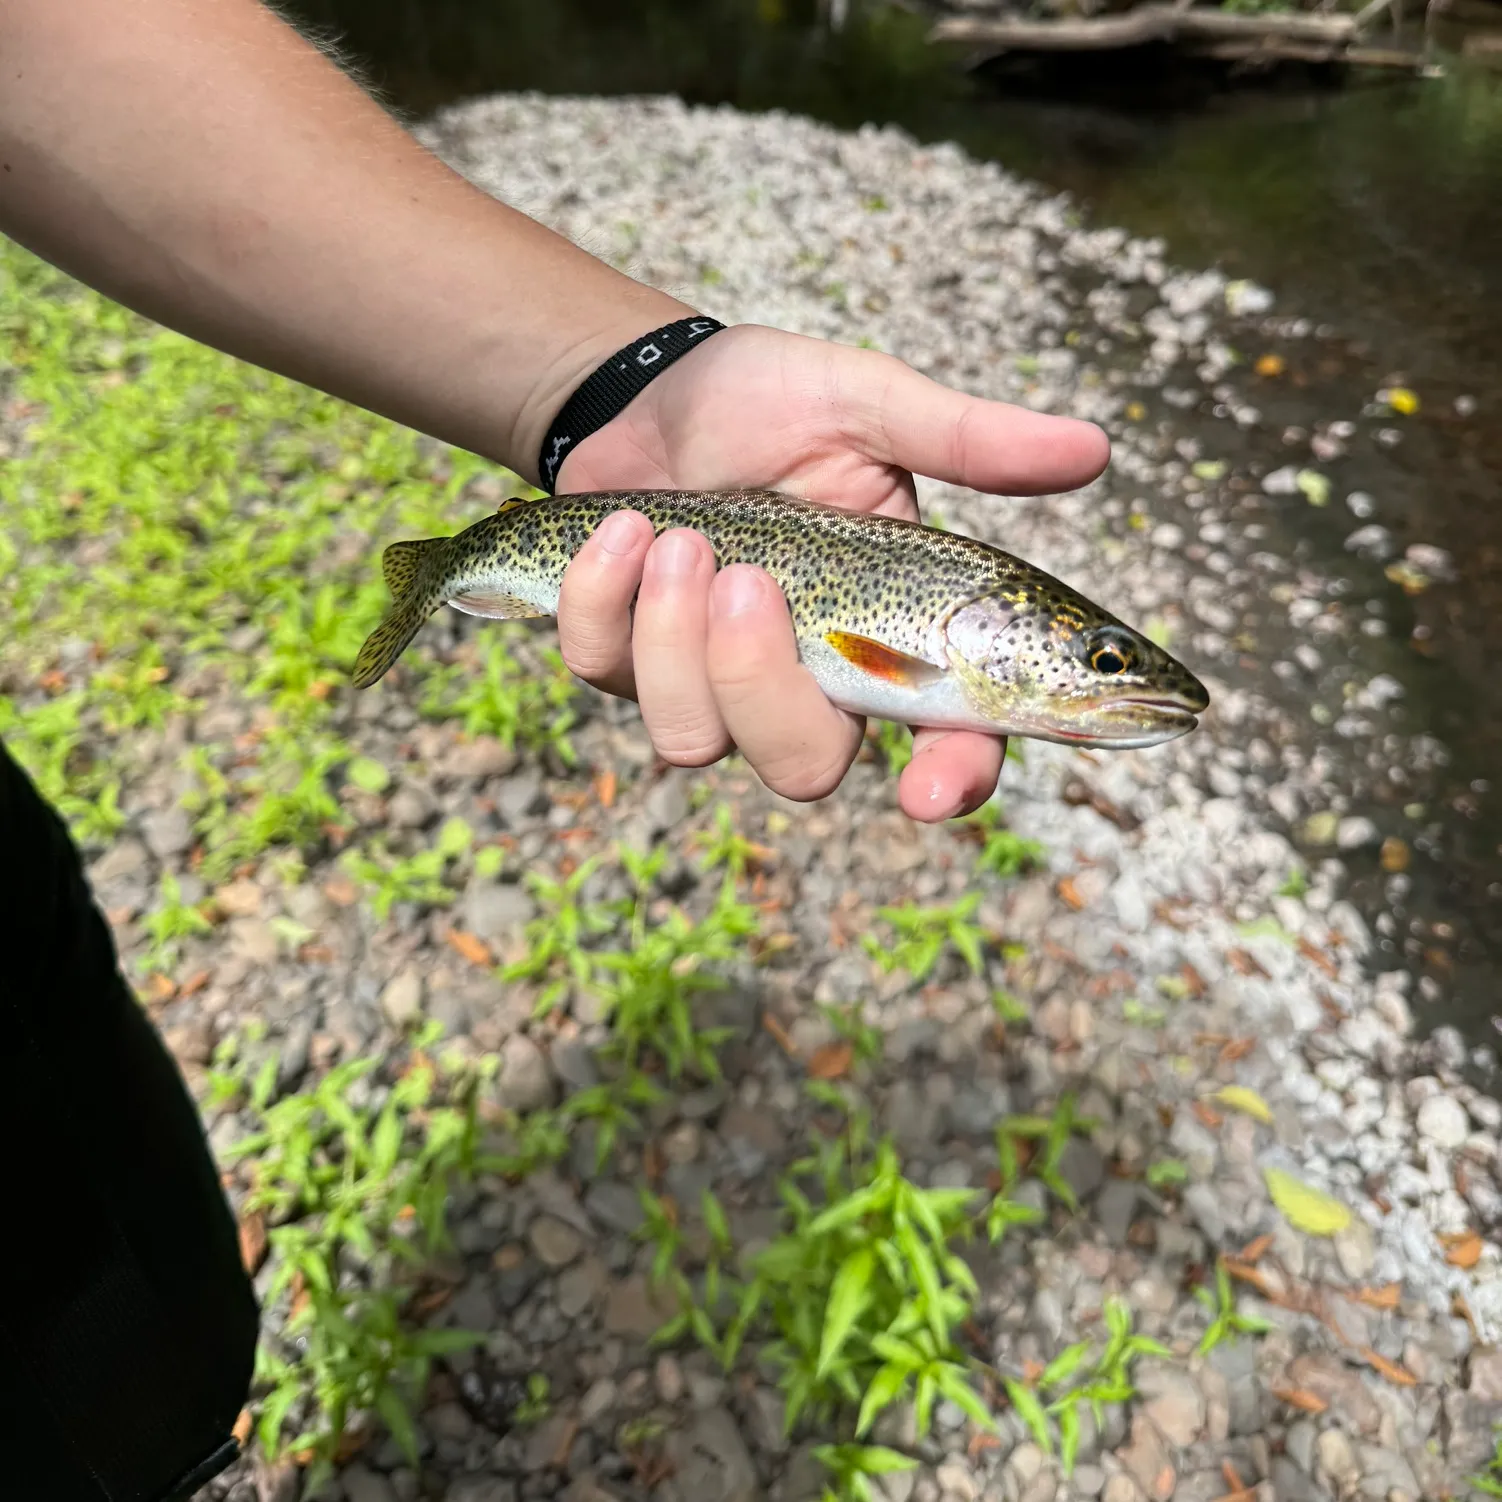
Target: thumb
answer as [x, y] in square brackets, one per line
[900, 417]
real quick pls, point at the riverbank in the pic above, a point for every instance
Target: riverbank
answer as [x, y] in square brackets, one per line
[1168, 1018]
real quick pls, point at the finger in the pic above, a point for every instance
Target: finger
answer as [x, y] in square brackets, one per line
[902, 418]
[668, 651]
[952, 773]
[594, 602]
[799, 744]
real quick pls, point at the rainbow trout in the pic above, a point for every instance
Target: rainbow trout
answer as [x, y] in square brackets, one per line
[895, 620]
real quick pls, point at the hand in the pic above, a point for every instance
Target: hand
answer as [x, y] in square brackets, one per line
[712, 659]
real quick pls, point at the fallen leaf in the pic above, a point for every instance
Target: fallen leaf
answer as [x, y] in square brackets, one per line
[1236, 1049]
[832, 1061]
[980, 1442]
[252, 1241]
[1134, 411]
[1317, 957]
[1462, 1310]
[1243, 1273]
[780, 1034]
[470, 946]
[1400, 1376]
[605, 787]
[1314, 487]
[1401, 399]
[195, 983]
[1300, 1398]
[1462, 1249]
[1269, 365]
[243, 1425]
[1247, 1101]
[1207, 1115]
[1386, 1297]
[341, 891]
[1245, 964]
[163, 988]
[1070, 893]
[1254, 1251]
[1306, 1209]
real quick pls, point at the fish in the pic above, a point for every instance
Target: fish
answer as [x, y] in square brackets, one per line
[895, 620]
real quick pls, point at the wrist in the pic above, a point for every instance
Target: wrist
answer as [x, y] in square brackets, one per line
[575, 360]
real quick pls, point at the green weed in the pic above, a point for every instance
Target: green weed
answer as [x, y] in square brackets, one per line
[1226, 1319]
[414, 878]
[925, 934]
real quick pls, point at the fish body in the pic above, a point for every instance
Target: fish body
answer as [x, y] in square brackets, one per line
[895, 620]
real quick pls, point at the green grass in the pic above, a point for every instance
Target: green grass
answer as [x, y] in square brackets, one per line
[181, 526]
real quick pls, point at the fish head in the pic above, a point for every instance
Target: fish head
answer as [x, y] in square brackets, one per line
[1034, 658]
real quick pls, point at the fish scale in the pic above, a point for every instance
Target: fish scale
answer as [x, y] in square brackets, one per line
[894, 619]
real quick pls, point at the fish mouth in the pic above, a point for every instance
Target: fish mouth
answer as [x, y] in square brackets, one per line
[1132, 724]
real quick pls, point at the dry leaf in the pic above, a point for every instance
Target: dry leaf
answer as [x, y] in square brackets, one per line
[832, 1061]
[1247, 1101]
[195, 983]
[1306, 1209]
[252, 1241]
[1207, 1115]
[470, 946]
[1245, 964]
[162, 988]
[1463, 1249]
[1300, 1398]
[243, 1426]
[1318, 957]
[1386, 1297]
[1254, 1251]
[1237, 1049]
[605, 788]
[1398, 1375]
[780, 1034]
[1070, 893]
[341, 891]
[1269, 365]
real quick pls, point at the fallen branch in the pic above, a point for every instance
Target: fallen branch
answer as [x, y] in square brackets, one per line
[1147, 23]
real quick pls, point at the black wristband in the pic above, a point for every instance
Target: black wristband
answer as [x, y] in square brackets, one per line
[605, 393]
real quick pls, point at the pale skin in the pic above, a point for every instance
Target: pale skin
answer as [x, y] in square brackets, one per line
[199, 161]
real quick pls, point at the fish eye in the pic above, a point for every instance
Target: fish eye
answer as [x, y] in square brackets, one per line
[1110, 654]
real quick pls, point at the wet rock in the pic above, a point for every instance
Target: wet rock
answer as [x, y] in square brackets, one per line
[711, 1462]
[410, 807]
[666, 805]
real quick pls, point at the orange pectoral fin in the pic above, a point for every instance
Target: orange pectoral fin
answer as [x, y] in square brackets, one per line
[881, 661]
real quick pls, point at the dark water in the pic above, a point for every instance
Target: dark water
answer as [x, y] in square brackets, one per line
[1372, 204]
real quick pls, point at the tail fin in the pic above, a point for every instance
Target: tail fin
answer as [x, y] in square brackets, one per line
[411, 604]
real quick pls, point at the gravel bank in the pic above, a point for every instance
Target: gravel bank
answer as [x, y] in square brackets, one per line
[1167, 954]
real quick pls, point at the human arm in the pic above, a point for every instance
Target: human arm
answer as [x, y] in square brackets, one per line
[202, 163]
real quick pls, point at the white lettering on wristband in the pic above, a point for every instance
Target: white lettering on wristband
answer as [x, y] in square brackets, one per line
[556, 457]
[649, 355]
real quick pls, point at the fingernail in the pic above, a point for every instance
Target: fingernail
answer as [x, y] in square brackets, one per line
[617, 533]
[738, 590]
[675, 555]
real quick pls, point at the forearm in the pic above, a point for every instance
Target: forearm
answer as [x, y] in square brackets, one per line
[199, 161]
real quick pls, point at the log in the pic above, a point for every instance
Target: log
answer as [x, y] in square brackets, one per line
[1147, 23]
